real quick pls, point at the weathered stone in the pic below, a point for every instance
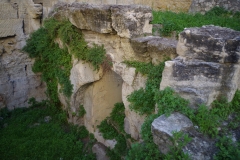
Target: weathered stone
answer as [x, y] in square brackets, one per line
[210, 43]
[101, 151]
[200, 82]
[99, 99]
[35, 11]
[127, 21]
[17, 81]
[140, 45]
[7, 11]
[83, 73]
[205, 5]
[133, 121]
[201, 147]
[10, 27]
[132, 20]
[161, 48]
[91, 17]
[157, 48]
[207, 68]
[163, 128]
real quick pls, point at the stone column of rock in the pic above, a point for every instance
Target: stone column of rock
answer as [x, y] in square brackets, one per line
[207, 67]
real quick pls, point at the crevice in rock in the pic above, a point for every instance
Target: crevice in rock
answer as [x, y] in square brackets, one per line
[13, 86]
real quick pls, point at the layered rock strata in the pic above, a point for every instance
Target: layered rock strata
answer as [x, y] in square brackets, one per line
[207, 67]
[17, 81]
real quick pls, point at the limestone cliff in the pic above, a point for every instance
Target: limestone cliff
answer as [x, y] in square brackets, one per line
[17, 81]
[117, 28]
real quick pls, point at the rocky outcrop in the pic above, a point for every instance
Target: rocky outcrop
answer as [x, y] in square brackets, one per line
[163, 127]
[17, 81]
[126, 21]
[207, 67]
[200, 147]
[205, 5]
[117, 28]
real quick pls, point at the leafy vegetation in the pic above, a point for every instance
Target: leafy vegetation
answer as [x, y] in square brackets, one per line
[113, 128]
[55, 63]
[227, 149]
[179, 140]
[26, 134]
[81, 111]
[142, 99]
[168, 102]
[171, 21]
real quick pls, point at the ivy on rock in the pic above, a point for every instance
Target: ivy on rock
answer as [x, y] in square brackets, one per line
[55, 62]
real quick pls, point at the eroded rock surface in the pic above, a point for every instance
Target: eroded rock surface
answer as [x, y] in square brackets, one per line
[163, 128]
[17, 81]
[210, 44]
[116, 29]
[199, 148]
[208, 65]
[127, 21]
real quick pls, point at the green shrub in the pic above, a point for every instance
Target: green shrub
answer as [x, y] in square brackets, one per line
[55, 63]
[227, 149]
[113, 128]
[178, 21]
[81, 111]
[179, 140]
[141, 100]
[28, 136]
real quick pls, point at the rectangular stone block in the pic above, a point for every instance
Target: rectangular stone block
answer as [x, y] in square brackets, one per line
[210, 44]
[201, 82]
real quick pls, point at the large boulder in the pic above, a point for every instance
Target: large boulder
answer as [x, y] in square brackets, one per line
[208, 65]
[132, 20]
[125, 21]
[163, 128]
[200, 147]
[210, 44]
[200, 82]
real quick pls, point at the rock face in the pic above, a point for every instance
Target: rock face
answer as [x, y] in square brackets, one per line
[210, 44]
[163, 5]
[207, 67]
[126, 21]
[205, 5]
[163, 128]
[199, 148]
[17, 81]
[116, 28]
